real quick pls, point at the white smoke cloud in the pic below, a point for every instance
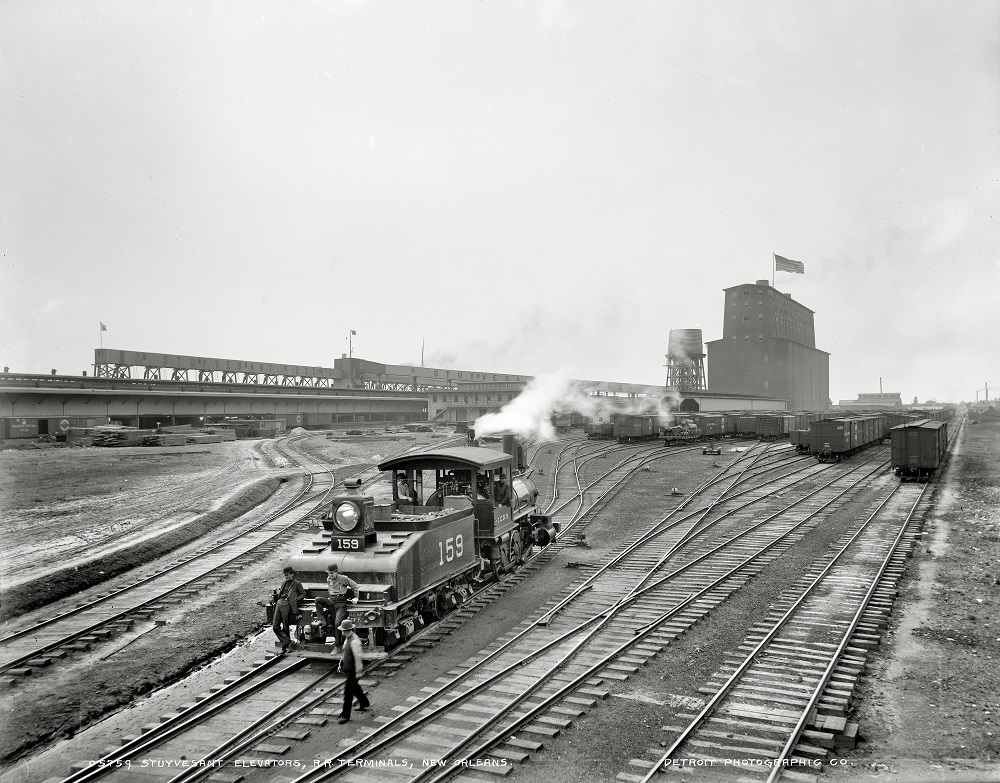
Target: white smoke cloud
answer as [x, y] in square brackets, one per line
[529, 415]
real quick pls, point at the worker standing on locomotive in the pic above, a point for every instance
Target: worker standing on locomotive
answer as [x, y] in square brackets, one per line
[286, 607]
[342, 590]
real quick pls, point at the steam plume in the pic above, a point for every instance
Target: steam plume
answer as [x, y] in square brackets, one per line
[529, 415]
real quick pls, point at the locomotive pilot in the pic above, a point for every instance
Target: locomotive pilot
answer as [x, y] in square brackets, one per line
[342, 591]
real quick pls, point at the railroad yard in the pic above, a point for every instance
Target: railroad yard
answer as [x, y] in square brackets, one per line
[700, 557]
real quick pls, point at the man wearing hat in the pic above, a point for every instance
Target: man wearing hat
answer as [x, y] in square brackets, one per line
[341, 590]
[352, 666]
[502, 490]
[403, 490]
[286, 607]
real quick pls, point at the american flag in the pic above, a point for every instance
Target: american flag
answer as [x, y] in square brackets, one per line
[782, 264]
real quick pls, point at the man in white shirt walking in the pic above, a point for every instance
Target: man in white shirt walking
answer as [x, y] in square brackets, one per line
[352, 666]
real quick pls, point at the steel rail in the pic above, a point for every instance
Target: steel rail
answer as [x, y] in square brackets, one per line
[288, 506]
[184, 721]
[657, 530]
[824, 679]
[640, 634]
[302, 498]
[727, 686]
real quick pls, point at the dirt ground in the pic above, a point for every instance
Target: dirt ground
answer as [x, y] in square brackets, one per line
[930, 708]
[133, 491]
[60, 505]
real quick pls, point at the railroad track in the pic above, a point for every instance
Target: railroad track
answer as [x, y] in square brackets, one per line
[780, 703]
[37, 645]
[534, 682]
[294, 719]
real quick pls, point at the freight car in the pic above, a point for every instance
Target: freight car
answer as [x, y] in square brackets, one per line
[629, 427]
[773, 426]
[681, 434]
[800, 440]
[709, 425]
[831, 440]
[598, 430]
[917, 448]
[563, 422]
[469, 516]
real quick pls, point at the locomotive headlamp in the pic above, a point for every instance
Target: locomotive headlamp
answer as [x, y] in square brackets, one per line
[351, 522]
[346, 517]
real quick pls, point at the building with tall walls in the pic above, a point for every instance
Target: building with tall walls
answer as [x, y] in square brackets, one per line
[768, 348]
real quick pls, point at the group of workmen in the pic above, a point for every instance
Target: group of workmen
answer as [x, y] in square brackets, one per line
[341, 591]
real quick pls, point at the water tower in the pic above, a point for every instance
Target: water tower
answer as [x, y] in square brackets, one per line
[685, 361]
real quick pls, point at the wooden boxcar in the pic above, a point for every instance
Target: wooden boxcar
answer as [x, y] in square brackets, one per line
[709, 425]
[833, 439]
[800, 439]
[774, 426]
[746, 425]
[630, 427]
[917, 448]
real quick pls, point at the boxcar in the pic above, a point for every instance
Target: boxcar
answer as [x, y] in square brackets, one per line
[833, 439]
[630, 427]
[746, 425]
[709, 425]
[917, 448]
[801, 440]
[830, 439]
[598, 430]
[773, 426]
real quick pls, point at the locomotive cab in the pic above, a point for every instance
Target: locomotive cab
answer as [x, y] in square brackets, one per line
[484, 481]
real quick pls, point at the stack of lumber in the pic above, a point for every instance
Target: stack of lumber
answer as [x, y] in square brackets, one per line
[201, 437]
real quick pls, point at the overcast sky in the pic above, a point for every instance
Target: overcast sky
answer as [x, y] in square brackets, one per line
[526, 186]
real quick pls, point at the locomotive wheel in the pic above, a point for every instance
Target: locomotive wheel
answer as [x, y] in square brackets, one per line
[436, 611]
[516, 555]
[497, 568]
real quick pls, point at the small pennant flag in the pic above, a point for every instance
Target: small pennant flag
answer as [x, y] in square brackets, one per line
[103, 327]
[353, 332]
[782, 264]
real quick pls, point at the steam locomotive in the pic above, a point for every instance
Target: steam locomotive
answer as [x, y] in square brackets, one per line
[464, 513]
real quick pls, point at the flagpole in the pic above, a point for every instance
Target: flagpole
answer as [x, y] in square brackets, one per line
[350, 350]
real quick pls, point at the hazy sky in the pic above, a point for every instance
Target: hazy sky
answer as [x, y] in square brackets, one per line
[525, 185]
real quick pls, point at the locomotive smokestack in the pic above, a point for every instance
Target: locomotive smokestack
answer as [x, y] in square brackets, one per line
[512, 445]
